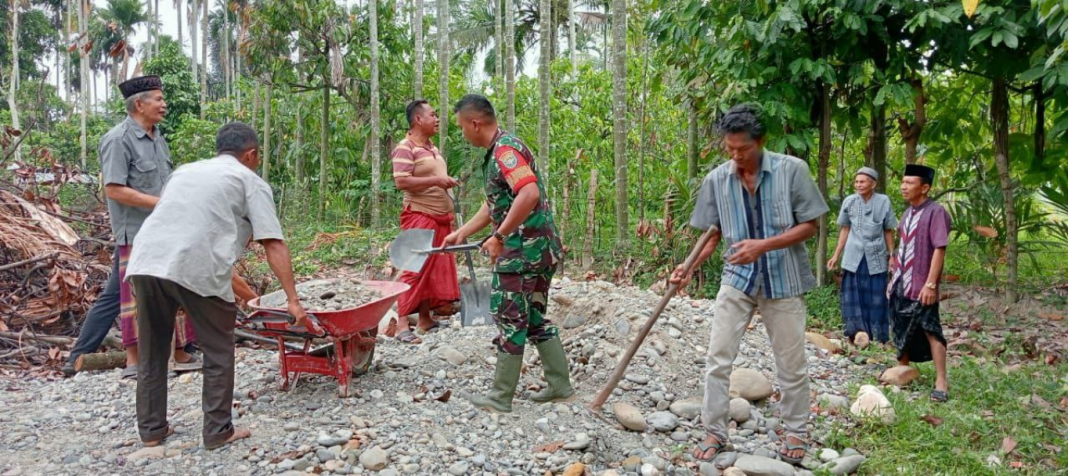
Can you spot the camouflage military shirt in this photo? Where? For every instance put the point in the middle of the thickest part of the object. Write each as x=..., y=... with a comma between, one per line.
x=534, y=246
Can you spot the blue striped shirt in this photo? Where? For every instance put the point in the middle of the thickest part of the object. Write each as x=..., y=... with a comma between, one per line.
x=785, y=197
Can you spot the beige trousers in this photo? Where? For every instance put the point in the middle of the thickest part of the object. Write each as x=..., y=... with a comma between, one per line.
x=785, y=321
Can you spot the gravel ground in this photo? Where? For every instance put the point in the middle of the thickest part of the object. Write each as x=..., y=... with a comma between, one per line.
x=396, y=424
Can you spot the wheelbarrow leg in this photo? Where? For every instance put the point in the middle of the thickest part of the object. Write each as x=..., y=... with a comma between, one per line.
x=282, y=364
x=342, y=366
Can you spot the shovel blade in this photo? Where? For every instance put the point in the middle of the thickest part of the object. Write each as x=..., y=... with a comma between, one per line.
x=475, y=305
x=403, y=251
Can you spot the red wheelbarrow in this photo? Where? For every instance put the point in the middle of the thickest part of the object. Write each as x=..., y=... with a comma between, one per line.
x=350, y=333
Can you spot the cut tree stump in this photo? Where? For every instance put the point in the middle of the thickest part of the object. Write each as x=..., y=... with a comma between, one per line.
x=100, y=361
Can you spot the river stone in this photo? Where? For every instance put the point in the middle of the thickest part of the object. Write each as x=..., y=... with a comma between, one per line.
x=663, y=421
x=630, y=417
x=761, y=466
x=374, y=459
x=750, y=385
x=740, y=408
x=846, y=465
x=688, y=408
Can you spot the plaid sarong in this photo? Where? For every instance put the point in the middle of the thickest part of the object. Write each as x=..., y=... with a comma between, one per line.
x=864, y=303
x=128, y=309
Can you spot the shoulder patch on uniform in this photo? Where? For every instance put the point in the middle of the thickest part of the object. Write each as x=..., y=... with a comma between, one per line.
x=509, y=159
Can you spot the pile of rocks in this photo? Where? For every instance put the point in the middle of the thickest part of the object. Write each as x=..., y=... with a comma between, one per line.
x=326, y=295
x=407, y=417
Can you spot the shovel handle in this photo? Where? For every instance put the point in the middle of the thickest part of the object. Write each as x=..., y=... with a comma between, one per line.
x=621, y=368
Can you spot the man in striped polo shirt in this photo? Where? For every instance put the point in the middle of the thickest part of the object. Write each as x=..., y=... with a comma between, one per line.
x=764, y=205
x=421, y=172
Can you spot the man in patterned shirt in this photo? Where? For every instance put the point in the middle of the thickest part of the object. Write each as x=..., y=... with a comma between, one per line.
x=764, y=205
x=525, y=250
x=913, y=292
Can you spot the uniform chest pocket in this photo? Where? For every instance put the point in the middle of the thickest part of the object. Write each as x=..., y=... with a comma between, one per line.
x=143, y=173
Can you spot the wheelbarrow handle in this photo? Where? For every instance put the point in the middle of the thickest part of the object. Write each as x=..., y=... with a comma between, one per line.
x=269, y=316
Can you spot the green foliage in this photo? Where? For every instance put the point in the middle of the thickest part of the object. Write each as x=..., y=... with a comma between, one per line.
x=181, y=91
x=824, y=309
x=37, y=38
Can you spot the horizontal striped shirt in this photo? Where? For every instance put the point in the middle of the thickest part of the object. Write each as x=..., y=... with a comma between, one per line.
x=785, y=197
x=414, y=160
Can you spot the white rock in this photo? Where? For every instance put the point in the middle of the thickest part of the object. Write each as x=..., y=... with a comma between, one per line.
x=650, y=470
x=740, y=408
x=451, y=355
x=871, y=402
x=827, y=455
x=155, y=452
x=732, y=471
x=374, y=459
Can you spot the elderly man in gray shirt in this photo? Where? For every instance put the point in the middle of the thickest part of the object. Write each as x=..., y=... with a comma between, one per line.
x=184, y=258
x=135, y=163
x=765, y=206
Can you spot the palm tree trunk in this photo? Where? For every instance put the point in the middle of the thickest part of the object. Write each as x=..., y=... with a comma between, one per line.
x=691, y=141
x=267, y=133
x=641, y=135
x=178, y=10
x=204, y=56
x=194, y=13
x=545, y=33
x=509, y=61
x=299, y=147
x=83, y=64
x=443, y=62
x=591, y=205
x=619, y=110
x=824, y=166
x=13, y=82
x=155, y=29
x=417, y=26
x=148, y=43
x=237, y=59
x=227, y=77
x=999, y=115
x=498, y=35
x=324, y=142
x=67, y=59
x=376, y=152
x=571, y=36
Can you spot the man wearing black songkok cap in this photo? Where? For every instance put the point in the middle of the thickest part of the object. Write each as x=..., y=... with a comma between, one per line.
x=135, y=162
x=914, y=288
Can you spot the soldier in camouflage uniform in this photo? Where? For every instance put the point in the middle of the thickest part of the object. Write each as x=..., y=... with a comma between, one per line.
x=525, y=250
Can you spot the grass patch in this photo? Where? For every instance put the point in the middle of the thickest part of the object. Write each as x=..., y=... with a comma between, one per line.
x=986, y=406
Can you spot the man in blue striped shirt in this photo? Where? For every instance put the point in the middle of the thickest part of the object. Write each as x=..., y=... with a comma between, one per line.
x=764, y=205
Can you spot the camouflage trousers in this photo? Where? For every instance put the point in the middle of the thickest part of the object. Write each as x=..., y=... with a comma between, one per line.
x=518, y=306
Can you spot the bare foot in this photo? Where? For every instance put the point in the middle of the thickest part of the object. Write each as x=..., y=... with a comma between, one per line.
x=239, y=434
x=169, y=432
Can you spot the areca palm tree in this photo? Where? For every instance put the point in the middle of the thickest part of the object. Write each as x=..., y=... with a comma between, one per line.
x=122, y=18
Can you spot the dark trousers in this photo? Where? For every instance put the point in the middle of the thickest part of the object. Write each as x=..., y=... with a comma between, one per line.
x=100, y=317
x=213, y=320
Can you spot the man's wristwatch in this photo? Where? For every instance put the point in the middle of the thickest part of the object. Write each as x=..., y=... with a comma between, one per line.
x=498, y=236
x=931, y=286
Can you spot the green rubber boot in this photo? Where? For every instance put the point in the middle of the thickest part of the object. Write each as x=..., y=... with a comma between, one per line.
x=557, y=375
x=506, y=377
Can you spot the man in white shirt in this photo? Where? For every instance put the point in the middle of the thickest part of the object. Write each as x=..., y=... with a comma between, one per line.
x=185, y=255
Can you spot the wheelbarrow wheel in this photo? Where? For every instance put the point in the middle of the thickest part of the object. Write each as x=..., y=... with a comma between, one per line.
x=361, y=362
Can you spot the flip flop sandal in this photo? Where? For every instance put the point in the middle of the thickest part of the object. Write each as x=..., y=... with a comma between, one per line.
x=409, y=337
x=719, y=446
x=939, y=396
x=790, y=447
x=151, y=444
x=130, y=372
x=194, y=363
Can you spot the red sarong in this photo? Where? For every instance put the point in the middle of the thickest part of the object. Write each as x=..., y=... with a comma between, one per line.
x=437, y=282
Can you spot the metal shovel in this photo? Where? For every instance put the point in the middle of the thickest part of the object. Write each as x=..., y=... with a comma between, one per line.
x=474, y=297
